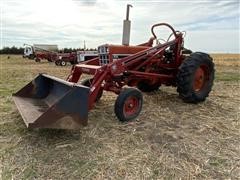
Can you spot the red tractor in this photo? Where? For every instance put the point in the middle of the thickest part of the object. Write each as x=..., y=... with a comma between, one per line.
x=63, y=58
x=49, y=102
x=75, y=57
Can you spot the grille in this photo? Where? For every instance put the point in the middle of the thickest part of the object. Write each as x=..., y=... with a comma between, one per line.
x=103, y=55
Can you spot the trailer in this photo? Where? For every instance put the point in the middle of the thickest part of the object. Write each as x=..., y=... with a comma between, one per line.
x=39, y=52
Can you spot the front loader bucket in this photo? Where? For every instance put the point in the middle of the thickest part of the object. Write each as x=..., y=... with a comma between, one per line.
x=49, y=102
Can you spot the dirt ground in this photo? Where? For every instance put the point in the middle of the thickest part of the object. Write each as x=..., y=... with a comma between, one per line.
x=169, y=140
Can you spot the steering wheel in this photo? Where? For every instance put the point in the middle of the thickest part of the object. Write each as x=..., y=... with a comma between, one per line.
x=167, y=25
x=160, y=39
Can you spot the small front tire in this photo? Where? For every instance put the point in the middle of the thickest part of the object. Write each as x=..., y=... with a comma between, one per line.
x=63, y=63
x=128, y=104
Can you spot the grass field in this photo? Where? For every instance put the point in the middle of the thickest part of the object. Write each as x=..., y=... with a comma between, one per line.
x=169, y=140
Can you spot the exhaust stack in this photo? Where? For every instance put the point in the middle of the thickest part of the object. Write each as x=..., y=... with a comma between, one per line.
x=126, y=28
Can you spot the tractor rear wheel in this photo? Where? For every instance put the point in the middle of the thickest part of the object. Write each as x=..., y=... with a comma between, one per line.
x=88, y=82
x=147, y=87
x=57, y=62
x=195, y=77
x=128, y=104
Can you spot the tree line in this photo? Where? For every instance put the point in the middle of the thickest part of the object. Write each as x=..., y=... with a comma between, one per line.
x=19, y=50
x=11, y=50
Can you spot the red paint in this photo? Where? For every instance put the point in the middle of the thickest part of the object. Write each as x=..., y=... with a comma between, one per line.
x=143, y=62
x=131, y=106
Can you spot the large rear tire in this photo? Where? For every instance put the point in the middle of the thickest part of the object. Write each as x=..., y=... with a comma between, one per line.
x=57, y=62
x=195, y=77
x=128, y=104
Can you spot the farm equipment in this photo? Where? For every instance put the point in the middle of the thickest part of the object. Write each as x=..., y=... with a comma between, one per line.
x=40, y=51
x=49, y=102
x=86, y=55
x=75, y=57
x=64, y=58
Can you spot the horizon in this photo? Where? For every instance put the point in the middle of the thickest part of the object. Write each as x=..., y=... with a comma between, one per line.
x=212, y=26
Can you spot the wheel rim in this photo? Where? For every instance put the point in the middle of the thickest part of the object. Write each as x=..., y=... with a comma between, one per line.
x=201, y=78
x=131, y=106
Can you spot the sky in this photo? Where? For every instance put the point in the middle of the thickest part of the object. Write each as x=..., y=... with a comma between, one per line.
x=211, y=25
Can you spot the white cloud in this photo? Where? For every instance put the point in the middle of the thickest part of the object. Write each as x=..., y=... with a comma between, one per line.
x=211, y=25
x=220, y=41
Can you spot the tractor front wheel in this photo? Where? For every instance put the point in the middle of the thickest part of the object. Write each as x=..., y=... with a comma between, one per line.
x=128, y=104
x=195, y=77
x=63, y=63
x=37, y=60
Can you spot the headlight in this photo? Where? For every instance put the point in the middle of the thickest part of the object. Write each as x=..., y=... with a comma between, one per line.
x=60, y=57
